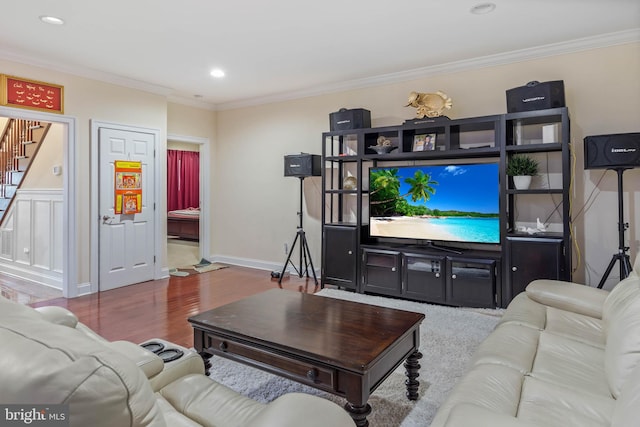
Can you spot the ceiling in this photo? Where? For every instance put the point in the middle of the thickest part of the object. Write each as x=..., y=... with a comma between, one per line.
x=283, y=49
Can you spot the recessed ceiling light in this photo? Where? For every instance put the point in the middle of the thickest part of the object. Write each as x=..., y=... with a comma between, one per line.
x=483, y=8
x=217, y=72
x=51, y=20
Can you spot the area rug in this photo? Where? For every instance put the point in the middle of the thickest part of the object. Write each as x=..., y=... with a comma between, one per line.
x=448, y=338
x=195, y=269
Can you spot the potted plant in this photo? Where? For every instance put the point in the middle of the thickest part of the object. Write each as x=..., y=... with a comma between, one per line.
x=522, y=168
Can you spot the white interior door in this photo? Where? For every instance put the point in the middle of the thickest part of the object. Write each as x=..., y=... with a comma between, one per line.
x=126, y=247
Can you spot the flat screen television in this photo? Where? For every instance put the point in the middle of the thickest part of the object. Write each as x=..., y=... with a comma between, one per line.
x=448, y=203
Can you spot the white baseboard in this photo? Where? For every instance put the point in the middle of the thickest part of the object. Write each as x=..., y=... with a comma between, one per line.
x=44, y=277
x=254, y=263
x=83, y=289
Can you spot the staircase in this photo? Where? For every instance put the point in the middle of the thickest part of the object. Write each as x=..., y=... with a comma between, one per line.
x=19, y=144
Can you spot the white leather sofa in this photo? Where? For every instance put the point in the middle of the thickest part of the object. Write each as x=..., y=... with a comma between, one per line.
x=48, y=357
x=563, y=355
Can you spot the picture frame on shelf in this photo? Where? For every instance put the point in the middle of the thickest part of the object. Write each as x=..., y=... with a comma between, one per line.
x=424, y=142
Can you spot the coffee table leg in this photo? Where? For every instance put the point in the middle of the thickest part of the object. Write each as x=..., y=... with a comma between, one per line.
x=207, y=363
x=412, y=366
x=359, y=413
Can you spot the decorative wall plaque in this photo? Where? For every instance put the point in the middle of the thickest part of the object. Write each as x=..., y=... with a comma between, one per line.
x=31, y=94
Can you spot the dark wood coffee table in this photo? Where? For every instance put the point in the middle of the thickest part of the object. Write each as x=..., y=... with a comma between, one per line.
x=341, y=347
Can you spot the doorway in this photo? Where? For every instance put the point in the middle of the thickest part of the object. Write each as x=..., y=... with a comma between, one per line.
x=124, y=242
x=69, y=254
x=181, y=252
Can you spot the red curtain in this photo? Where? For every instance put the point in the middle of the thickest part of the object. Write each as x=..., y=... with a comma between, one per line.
x=183, y=179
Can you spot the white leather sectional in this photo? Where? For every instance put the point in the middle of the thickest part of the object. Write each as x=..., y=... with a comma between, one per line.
x=563, y=355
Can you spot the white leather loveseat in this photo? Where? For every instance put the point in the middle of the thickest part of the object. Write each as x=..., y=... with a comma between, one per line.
x=48, y=357
x=563, y=355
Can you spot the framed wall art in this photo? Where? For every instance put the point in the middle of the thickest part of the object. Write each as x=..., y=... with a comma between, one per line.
x=31, y=94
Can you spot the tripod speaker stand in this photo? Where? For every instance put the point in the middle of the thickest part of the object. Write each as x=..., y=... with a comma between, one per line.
x=622, y=255
x=305, y=254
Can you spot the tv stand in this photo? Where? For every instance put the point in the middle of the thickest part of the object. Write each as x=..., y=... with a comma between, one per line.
x=483, y=275
x=431, y=245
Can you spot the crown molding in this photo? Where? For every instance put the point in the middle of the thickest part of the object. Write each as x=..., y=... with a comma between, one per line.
x=571, y=46
x=192, y=102
x=88, y=73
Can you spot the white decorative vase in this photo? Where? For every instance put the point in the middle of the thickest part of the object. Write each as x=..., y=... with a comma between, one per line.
x=522, y=182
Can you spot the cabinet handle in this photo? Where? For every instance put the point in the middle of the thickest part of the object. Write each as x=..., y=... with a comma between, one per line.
x=393, y=269
x=350, y=252
x=453, y=276
x=514, y=268
x=437, y=274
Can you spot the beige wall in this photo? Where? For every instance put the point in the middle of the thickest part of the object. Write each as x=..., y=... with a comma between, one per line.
x=255, y=208
x=182, y=146
x=50, y=154
x=191, y=121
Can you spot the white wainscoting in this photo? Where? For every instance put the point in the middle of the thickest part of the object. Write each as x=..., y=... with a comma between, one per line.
x=31, y=239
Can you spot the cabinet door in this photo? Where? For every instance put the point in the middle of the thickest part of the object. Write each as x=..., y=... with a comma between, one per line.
x=424, y=278
x=471, y=282
x=382, y=272
x=339, y=257
x=531, y=258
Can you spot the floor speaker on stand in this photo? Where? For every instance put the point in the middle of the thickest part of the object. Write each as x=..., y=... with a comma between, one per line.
x=617, y=152
x=301, y=166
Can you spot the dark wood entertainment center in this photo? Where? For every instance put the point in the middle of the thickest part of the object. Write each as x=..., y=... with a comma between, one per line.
x=469, y=274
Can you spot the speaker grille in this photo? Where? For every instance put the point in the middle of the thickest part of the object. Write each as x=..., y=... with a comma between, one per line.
x=612, y=151
x=302, y=165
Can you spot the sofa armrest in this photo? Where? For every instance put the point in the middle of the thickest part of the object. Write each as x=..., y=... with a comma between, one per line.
x=149, y=362
x=580, y=299
x=190, y=363
x=468, y=414
x=58, y=315
x=298, y=409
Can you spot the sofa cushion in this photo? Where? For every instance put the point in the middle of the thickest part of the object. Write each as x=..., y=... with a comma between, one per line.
x=491, y=386
x=621, y=324
x=571, y=364
x=575, y=326
x=552, y=405
x=525, y=311
x=56, y=364
x=511, y=345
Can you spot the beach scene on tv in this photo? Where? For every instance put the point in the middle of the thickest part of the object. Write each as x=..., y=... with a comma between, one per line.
x=458, y=203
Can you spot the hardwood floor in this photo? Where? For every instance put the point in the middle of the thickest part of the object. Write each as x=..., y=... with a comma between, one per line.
x=160, y=308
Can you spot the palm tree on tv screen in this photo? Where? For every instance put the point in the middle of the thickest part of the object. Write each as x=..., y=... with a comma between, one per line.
x=385, y=191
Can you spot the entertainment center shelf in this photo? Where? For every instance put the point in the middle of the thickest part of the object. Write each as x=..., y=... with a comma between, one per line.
x=474, y=273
